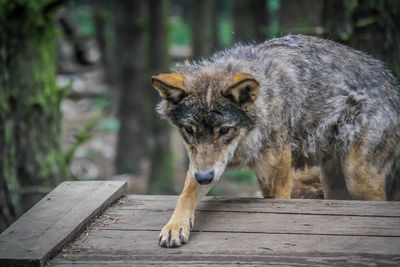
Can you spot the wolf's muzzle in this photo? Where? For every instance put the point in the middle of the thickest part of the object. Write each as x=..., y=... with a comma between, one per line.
x=204, y=178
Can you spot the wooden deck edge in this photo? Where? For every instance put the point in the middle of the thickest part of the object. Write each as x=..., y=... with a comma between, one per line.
x=57, y=219
x=119, y=192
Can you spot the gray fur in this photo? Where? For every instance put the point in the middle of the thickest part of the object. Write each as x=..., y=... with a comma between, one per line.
x=319, y=96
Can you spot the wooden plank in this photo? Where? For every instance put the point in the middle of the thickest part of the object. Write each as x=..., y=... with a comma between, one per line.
x=245, y=231
x=55, y=220
x=215, y=221
x=133, y=248
x=283, y=206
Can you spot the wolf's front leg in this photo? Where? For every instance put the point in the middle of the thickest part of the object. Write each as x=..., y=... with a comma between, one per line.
x=273, y=172
x=176, y=232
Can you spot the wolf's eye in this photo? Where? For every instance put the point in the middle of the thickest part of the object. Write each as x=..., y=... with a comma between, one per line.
x=188, y=129
x=224, y=130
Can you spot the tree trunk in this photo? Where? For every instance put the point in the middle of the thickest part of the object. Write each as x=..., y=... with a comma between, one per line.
x=300, y=16
x=215, y=16
x=260, y=20
x=31, y=160
x=250, y=20
x=161, y=174
x=242, y=23
x=202, y=42
x=376, y=30
x=100, y=19
x=134, y=106
x=336, y=21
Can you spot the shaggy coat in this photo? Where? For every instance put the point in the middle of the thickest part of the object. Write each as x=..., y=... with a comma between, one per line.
x=319, y=96
x=294, y=101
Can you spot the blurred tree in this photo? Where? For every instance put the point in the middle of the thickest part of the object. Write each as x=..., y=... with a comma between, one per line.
x=161, y=174
x=100, y=19
x=215, y=16
x=376, y=30
x=300, y=16
x=250, y=19
x=260, y=19
x=242, y=20
x=134, y=107
x=202, y=28
x=31, y=160
x=337, y=25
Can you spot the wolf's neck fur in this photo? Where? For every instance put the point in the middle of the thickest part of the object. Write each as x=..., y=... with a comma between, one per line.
x=248, y=149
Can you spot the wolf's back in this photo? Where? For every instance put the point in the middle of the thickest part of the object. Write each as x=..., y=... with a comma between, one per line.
x=347, y=96
x=325, y=96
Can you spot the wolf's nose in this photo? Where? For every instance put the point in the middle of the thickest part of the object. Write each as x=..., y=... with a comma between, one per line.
x=204, y=178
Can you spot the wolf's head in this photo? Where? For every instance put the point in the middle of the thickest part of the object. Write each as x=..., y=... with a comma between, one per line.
x=213, y=114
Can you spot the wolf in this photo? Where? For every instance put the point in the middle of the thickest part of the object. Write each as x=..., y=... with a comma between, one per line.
x=289, y=102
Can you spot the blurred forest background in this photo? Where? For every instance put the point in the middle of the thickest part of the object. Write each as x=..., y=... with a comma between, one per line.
x=76, y=101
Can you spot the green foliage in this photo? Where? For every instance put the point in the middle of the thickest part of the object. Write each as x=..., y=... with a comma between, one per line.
x=215, y=192
x=7, y=166
x=29, y=100
x=165, y=175
x=244, y=176
x=273, y=8
x=179, y=31
x=83, y=17
x=100, y=102
x=351, y=5
x=225, y=30
x=109, y=125
x=83, y=136
x=35, y=12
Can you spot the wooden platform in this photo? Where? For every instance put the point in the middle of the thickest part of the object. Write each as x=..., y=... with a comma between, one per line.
x=242, y=231
x=55, y=220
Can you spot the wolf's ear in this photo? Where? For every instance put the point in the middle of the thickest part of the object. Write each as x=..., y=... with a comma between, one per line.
x=244, y=89
x=170, y=86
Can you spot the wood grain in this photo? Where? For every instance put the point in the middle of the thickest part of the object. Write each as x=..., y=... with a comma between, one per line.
x=283, y=206
x=263, y=223
x=244, y=231
x=110, y=247
x=55, y=220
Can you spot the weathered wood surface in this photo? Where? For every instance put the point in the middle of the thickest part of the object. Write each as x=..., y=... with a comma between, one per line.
x=55, y=220
x=243, y=231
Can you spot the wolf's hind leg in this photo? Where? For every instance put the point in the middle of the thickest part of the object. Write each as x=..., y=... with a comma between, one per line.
x=273, y=172
x=333, y=180
x=176, y=232
x=364, y=180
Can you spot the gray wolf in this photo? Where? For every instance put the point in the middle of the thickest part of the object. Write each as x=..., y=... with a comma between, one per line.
x=286, y=103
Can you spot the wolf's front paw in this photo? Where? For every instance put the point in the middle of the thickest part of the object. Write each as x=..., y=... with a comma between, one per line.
x=175, y=234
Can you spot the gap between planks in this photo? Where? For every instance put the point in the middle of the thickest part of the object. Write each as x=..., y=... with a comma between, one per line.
x=252, y=232
x=264, y=212
x=260, y=222
x=270, y=206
